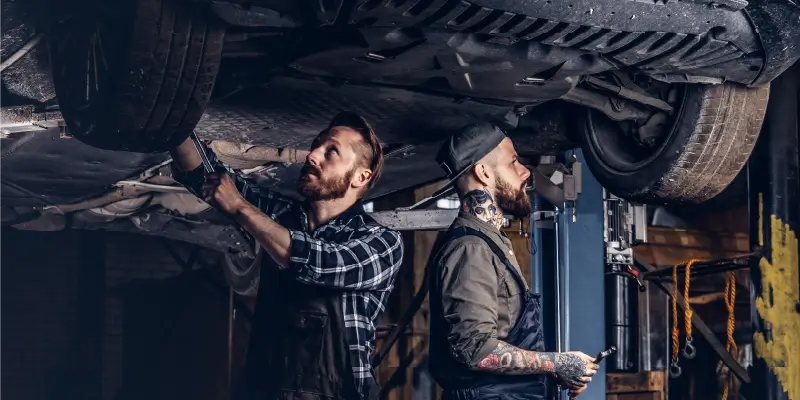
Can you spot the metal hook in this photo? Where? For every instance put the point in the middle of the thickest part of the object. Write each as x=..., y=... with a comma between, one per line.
x=674, y=370
x=689, y=352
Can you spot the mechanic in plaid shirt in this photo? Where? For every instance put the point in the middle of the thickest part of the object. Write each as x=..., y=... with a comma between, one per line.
x=330, y=272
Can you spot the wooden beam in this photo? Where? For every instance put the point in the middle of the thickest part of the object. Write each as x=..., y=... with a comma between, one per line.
x=667, y=247
x=636, y=396
x=645, y=381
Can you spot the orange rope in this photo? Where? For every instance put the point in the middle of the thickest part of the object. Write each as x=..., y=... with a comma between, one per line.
x=675, y=331
x=688, y=309
x=730, y=302
x=687, y=317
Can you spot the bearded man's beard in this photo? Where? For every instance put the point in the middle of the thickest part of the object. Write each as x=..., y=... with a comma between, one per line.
x=323, y=188
x=514, y=201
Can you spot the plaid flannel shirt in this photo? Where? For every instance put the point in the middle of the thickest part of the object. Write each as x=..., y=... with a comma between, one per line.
x=351, y=252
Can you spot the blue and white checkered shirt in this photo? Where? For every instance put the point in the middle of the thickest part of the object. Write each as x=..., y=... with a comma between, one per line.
x=351, y=252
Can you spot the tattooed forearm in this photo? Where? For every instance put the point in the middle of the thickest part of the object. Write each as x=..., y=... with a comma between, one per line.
x=507, y=359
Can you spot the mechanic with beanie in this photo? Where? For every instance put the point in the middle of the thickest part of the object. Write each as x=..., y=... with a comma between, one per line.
x=486, y=338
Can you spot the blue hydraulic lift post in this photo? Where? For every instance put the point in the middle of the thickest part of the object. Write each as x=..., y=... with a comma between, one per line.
x=577, y=256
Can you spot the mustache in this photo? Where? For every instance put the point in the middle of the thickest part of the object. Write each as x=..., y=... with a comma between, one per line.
x=309, y=169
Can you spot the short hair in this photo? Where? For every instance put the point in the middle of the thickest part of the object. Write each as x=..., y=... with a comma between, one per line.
x=490, y=160
x=369, y=151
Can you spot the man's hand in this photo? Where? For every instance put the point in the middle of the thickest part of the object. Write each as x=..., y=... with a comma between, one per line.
x=220, y=191
x=574, y=393
x=574, y=369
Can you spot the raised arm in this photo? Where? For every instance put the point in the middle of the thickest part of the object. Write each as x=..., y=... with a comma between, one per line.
x=250, y=205
x=187, y=169
x=185, y=156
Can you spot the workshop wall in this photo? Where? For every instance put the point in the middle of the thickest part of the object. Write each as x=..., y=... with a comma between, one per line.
x=98, y=315
x=40, y=313
x=165, y=329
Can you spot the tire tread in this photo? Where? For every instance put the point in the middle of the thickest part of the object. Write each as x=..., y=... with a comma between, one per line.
x=163, y=85
x=723, y=138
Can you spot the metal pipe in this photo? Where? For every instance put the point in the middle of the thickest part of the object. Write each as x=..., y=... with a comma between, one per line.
x=231, y=313
x=557, y=279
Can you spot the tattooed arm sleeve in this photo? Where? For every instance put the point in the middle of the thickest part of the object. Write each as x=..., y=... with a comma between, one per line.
x=510, y=360
x=507, y=359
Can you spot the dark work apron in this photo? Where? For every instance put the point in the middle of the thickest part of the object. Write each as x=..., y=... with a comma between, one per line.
x=297, y=348
x=465, y=384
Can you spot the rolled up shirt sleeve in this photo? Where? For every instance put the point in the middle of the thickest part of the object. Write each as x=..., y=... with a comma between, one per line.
x=369, y=260
x=469, y=282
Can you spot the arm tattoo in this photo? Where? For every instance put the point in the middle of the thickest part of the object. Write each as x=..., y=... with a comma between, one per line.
x=508, y=359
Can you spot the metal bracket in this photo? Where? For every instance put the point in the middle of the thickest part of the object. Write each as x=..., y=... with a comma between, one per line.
x=415, y=220
x=544, y=219
x=562, y=185
x=703, y=268
x=429, y=200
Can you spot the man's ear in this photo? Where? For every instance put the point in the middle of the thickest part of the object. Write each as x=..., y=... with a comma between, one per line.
x=482, y=173
x=361, y=178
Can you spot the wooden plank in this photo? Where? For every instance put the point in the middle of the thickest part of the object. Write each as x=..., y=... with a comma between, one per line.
x=735, y=242
x=639, y=396
x=645, y=381
x=666, y=247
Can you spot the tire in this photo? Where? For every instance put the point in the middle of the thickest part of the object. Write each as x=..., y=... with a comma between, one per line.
x=151, y=66
x=709, y=142
x=243, y=274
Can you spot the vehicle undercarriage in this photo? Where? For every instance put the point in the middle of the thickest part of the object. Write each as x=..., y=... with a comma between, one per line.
x=664, y=98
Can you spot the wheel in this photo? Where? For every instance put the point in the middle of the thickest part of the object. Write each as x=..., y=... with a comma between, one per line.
x=690, y=158
x=242, y=273
x=135, y=75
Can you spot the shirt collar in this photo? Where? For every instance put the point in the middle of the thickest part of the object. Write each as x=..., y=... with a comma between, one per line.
x=356, y=209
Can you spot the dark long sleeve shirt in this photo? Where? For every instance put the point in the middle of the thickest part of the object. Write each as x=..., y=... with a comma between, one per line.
x=480, y=299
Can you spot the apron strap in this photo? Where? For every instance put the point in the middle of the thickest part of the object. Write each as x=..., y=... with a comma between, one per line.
x=420, y=296
x=463, y=231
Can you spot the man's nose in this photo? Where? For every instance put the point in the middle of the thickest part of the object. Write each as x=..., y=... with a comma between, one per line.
x=313, y=157
x=526, y=173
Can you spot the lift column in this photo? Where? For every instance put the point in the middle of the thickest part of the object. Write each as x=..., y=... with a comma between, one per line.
x=774, y=223
x=568, y=268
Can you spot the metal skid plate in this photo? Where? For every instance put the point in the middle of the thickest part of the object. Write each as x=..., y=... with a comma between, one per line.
x=290, y=112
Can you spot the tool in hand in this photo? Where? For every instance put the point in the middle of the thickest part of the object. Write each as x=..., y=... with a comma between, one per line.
x=242, y=237
x=600, y=356
x=605, y=353
x=202, y=152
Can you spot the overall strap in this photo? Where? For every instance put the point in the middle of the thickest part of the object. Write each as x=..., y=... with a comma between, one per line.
x=420, y=296
x=464, y=231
